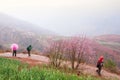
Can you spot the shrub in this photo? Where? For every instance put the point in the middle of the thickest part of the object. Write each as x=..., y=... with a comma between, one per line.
x=110, y=65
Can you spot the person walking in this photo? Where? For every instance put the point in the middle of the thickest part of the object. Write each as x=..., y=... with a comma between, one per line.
x=99, y=65
x=14, y=48
x=29, y=49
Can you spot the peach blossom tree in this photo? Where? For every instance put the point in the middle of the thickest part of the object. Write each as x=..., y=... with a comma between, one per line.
x=74, y=49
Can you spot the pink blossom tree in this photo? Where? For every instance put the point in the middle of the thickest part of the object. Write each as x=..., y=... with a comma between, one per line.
x=77, y=48
x=55, y=51
x=74, y=49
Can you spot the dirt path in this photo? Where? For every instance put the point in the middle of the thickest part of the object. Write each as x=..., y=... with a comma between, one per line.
x=91, y=70
x=38, y=59
x=32, y=60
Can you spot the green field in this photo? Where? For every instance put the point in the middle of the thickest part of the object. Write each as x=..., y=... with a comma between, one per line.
x=14, y=70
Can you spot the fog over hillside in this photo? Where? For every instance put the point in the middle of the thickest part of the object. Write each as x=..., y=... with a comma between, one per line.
x=67, y=17
x=9, y=21
x=111, y=27
x=23, y=33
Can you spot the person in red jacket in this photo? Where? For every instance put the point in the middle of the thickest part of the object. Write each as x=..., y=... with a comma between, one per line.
x=100, y=65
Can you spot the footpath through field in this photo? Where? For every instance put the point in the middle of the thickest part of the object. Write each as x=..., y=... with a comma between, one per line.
x=39, y=59
x=32, y=60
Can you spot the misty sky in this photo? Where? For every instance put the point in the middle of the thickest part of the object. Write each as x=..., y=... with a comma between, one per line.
x=67, y=17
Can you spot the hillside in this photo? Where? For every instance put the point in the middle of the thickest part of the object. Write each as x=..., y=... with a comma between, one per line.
x=23, y=33
x=109, y=38
x=39, y=60
x=9, y=21
x=111, y=41
x=109, y=46
x=22, y=38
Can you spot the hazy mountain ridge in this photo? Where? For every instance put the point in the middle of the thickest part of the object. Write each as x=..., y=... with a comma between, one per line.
x=111, y=41
x=9, y=36
x=8, y=21
x=110, y=38
x=22, y=33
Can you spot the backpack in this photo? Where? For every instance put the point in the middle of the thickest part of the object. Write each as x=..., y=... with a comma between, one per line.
x=99, y=64
x=29, y=48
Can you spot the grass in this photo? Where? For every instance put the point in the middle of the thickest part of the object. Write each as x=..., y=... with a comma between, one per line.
x=15, y=70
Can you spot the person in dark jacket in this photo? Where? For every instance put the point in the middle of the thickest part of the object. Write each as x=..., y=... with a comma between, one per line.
x=100, y=65
x=29, y=49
